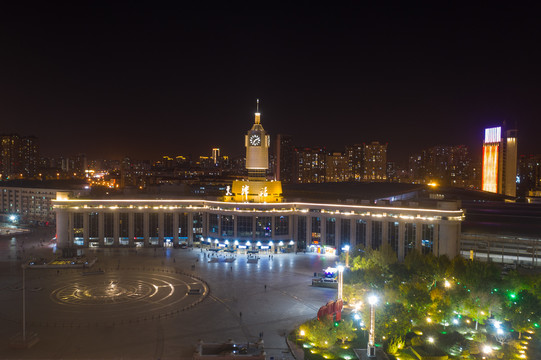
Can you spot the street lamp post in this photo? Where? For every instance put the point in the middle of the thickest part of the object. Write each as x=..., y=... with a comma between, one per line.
x=346, y=248
x=340, y=281
x=24, y=304
x=371, y=348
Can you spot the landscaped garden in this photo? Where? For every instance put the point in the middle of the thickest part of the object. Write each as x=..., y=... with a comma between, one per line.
x=430, y=308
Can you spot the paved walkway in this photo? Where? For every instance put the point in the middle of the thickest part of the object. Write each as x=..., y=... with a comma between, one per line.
x=245, y=300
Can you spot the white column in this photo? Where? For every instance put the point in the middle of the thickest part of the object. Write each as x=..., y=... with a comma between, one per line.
x=175, y=226
x=338, y=233
x=189, y=232
x=384, y=232
x=308, y=230
x=352, y=232
x=418, y=235
x=291, y=230
x=62, y=229
x=368, y=233
x=323, y=229
x=436, y=241
x=401, y=231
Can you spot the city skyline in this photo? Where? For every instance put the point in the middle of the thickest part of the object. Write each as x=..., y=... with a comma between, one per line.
x=153, y=80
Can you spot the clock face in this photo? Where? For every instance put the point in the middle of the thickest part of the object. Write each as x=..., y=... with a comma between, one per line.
x=255, y=140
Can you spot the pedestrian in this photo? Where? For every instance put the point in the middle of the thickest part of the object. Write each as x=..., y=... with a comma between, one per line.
x=240, y=314
x=265, y=287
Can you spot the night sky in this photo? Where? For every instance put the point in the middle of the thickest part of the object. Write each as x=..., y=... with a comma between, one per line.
x=149, y=79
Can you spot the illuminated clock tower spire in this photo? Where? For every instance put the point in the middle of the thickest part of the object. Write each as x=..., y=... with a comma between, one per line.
x=256, y=188
x=257, y=144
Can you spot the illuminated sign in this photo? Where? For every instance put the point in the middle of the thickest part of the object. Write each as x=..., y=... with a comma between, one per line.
x=493, y=135
x=490, y=168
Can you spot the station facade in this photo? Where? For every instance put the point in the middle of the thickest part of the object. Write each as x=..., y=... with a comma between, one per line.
x=272, y=227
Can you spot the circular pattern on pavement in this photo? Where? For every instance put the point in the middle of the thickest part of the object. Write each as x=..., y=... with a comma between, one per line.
x=115, y=296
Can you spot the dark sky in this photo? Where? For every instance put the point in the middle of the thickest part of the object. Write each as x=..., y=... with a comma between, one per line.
x=155, y=78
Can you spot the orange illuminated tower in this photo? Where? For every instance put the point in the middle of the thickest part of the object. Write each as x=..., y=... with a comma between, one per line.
x=256, y=188
x=500, y=161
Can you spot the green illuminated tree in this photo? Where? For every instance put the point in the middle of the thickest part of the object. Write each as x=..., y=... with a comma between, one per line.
x=321, y=332
x=345, y=331
x=523, y=311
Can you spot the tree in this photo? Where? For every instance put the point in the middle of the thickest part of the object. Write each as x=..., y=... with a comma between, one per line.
x=392, y=320
x=345, y=331
x=476, y=306
x=321, y=333
x=523, y=311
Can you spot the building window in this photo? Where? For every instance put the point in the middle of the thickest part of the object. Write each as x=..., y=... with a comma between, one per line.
x=93, y=221
x=330, y=231
x=197, y=224
x=427, y=240
x=124, y=228
x=213, y=223
x=168, y=225
x=153, y=226
x=345, y=231
x=409, y=238
x=301, y=232
x=263, y=226
x=360, y=232
x=228, y=224
x=244, y=226
x=316, y=230
x=281, y=224
x=78, y=227
x=393, y=235
x=108, y=225
x=183, y=225
x=377, y=234
x=138, y=225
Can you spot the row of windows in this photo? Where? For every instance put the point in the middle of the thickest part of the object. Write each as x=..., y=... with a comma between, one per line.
x=223, y=225
x=138, y=225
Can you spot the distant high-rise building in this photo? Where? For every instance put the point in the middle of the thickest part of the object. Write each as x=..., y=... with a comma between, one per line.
x=337, y=168
x=216, y=156
x=19, y=156
x=310, y=165
x=375, y=161
x=285, y=158
x=354, y=154
x=529, y=174
x=500, y=161
x=30, y=156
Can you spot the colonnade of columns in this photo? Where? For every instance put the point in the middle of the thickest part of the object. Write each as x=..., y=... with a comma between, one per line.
x=444, y=240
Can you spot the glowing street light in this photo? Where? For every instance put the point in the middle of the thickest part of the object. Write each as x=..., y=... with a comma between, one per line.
x=371, y=348
x=346, y=249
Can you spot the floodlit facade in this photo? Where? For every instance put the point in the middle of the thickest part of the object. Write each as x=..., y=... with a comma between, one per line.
x=257, y=226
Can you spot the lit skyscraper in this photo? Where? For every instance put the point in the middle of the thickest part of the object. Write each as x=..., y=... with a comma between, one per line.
x=500, y=161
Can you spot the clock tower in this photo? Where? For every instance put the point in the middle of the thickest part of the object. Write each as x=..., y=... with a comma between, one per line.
x=257, y=144
x=256, y=188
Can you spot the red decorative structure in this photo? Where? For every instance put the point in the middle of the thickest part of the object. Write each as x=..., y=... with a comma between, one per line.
x=331, y=309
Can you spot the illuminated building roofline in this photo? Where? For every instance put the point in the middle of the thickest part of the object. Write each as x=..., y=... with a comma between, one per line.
x=252, y=205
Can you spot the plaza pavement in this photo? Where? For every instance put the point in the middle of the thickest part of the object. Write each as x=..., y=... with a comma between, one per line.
x=164, y=329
